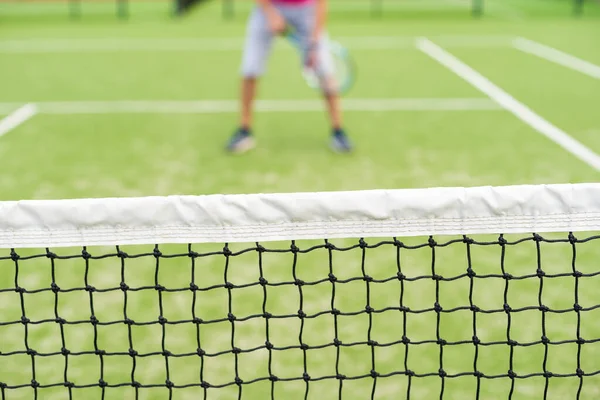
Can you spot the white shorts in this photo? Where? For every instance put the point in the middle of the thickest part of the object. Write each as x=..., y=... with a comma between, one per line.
x=259, y=39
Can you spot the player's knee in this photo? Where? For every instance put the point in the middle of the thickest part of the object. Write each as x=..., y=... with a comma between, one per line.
x=252, y=72
x=325, y=68
x=254, y=60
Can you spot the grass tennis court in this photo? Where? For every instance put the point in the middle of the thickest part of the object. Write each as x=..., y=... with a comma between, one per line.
x=145, y=107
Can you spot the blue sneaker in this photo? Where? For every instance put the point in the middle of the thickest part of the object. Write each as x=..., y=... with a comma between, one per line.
x=241, y=142
x=340, y=142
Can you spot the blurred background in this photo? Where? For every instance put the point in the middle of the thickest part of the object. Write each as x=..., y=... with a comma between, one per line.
x=139, y=97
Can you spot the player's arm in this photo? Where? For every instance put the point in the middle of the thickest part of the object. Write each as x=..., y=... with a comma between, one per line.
x=276, y=21
x=320, y=20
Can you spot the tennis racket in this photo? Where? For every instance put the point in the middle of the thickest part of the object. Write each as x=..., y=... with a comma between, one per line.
x=344, y=68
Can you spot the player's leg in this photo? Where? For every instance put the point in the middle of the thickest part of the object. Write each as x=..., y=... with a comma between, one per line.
x=326, y=74
x=247, y=95
x=256, y=52
x=303, y=20
x=325, y=71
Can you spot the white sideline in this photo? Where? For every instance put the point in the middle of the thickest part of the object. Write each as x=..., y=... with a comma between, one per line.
x=93, y=45
x=557, y=56
x=509, y=103
x=232, y=106
x=295, y=216
x=17, y=117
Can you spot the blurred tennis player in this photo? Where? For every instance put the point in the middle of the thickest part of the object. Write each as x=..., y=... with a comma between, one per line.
x=269, y=19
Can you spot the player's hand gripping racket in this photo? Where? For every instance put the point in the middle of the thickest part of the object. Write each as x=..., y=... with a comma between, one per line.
x=344, y=69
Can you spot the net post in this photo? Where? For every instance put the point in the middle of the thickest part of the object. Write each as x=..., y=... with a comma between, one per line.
x=477, y=9
x=122, y=9
x=377, y=8
x=75, y=9
x=228, y=9
x=578, y=7
x=177, y=8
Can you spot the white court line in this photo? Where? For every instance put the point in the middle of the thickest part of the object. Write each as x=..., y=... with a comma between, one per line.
x=557, y=56
x=41, y=45
x=232, y=106
x=509, y=103
x=17, y=117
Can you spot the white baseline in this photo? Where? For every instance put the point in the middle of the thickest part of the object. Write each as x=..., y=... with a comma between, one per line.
x=232, y=106
x=509, y=103
x=17, y=117
x=557, y=56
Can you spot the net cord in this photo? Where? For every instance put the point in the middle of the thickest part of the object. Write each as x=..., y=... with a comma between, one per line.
x=297, y=216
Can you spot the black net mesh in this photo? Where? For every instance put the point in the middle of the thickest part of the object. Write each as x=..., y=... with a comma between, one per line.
x=430, y=319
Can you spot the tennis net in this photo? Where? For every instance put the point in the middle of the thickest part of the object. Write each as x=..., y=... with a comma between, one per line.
x=450, y=293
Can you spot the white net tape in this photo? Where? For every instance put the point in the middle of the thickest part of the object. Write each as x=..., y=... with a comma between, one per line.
x=270, y=217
